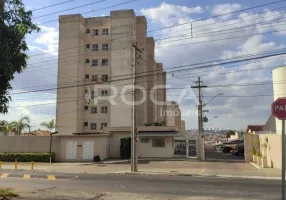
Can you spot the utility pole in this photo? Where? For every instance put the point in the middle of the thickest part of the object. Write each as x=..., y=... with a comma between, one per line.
x=199, y=86
x=134, y=164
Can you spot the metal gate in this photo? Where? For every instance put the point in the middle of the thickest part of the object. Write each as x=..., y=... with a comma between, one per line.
x=88, y=150
x=71, y=150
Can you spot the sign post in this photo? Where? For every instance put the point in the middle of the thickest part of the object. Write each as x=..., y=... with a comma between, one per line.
x=278, y=108
x=283, y=159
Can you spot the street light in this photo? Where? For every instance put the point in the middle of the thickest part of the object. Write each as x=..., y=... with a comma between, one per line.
x=220, y=94
x=51, y=139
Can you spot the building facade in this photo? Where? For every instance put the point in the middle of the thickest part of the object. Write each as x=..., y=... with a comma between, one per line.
x=173, y=115
x=97, y=58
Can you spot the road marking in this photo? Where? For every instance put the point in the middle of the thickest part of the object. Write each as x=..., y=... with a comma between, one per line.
x=4, y=175
x=51, y=177
x=26, y=176
x=255, y=165
x=202, y=171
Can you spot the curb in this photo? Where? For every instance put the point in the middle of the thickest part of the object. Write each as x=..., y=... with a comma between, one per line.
x=196, y=175
x=255, y=165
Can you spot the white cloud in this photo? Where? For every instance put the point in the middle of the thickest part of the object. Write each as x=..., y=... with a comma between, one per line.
x=230, y=110
x=225, y=8
x=49, y=38
x=253, y=45
x=167, y=13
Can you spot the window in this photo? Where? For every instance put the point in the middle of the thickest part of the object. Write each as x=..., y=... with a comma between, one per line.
x=92, y=94
x=95, y=47
x=87, y=76
x=95, y=32
x=105, y=31
x=85, y=123
x=158, y=142
x=95, y=63
x=104, y=92
x=87, y=61
x=93, y=109
x=144, y=140
x=92, y=126
x=104, y=77
x=104, y=62
x=105, y=47
x=87, y=31
x=104, y=109
x=94, y=78
x=87, y=46
x=103, y=125
x=86, y=107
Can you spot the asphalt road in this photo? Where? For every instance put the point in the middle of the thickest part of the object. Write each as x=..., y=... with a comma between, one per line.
x=181, y=186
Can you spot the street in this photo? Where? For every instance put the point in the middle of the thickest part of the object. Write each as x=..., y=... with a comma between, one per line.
x=143, y=186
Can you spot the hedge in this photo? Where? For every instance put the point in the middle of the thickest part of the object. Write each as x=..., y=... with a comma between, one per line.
x=26, y=157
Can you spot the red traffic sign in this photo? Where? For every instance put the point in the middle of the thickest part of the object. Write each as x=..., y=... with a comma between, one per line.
x=278, y=108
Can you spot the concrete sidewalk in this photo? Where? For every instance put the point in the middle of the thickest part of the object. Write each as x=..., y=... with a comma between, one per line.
x=169, y=167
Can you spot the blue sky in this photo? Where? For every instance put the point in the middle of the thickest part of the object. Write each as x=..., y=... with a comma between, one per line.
x=232, y=112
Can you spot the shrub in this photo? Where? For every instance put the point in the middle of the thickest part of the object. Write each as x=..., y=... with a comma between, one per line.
x=26, y=157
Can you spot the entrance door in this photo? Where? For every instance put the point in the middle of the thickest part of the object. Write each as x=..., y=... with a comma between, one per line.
x=88, y=150
x=71, y=150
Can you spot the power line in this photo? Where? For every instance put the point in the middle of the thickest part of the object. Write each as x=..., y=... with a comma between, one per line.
x=85, y=5
x=166, y=27
x=259, y=56
x=240, y=17
x=53, y=5
x=216, y=40
x=94, y=10
x=163, y=46
x=213, y=61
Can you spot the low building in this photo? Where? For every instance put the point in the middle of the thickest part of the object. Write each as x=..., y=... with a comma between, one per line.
x=152, y=141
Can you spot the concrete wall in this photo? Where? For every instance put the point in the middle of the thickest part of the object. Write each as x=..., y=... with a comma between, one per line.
x=248, y=144
x=123, y=30
x=150, y=44
x=183, y=126
x=141, y=28
x=146, y=149
x=173, y=115
x=33, y=144
x=70, y=69
x=42, y=144
x=272, y=151
x=114, y=147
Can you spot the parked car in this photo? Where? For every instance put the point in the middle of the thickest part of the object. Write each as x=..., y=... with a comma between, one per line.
x=229, y=146
x=239, y=150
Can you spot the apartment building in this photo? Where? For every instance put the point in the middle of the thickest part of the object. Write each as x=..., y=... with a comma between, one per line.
x=97, y=57
x=173, y=115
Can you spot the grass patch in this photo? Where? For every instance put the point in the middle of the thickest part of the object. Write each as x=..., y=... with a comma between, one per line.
x=7, y=193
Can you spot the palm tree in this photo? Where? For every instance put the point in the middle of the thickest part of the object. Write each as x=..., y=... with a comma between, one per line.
x=8, y=129
x=18, y=126
x=49, y=125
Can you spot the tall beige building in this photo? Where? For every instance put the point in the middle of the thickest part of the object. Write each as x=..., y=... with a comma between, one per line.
x=96, y=55
x=173, y=115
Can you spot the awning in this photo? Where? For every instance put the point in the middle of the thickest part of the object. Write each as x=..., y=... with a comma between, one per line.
x=158, y=134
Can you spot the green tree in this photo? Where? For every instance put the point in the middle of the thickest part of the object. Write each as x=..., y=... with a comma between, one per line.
x=227, y=136
x=49, y=125
x=8, y=129
x=231, y=132
x=15, y=24
x=18, y=126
